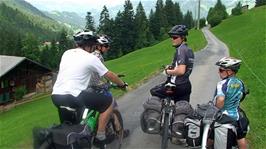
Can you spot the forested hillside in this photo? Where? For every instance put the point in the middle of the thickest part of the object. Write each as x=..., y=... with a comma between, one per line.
x=33, y=14
x=22, y=36
x=14, y=27
x=69, y=19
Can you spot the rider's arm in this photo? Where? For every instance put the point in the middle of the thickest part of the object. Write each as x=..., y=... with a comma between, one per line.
x=177, y=71
x=220, y=102
x=114, y=78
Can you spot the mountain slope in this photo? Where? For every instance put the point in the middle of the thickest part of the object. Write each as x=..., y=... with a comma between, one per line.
x=33, y=14
x=245, y=35
x=13, y=21
x=70, y=19
x=23, y=5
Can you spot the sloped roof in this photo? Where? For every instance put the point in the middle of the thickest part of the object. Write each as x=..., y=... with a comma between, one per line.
x=7, y=63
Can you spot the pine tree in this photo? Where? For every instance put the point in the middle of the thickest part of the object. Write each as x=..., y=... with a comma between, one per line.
x=188, y=20
x=89, y=22
x=170, y=14
x=237, y=10
x=128, y=32
x=153, y=25
x=160, y=17
x=260, y=3
x=142, y=28
x=217, y=14
x=64, y=43
x=221, y=8
x=116, y=35
x=30, y=47
x=104, y=22
x=178, y=14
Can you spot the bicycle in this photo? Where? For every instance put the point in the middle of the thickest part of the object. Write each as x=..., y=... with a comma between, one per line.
x=168, y=108
x=82, y=134
x=210, y=115
x=159, y=115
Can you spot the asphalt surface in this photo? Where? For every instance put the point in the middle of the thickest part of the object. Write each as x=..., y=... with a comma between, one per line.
x=203, y=78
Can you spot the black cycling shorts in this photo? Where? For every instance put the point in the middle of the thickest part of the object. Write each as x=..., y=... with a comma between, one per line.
x=182, y=91
x=96, y=100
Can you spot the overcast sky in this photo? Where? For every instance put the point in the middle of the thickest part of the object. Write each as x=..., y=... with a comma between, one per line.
x=96, y=6
x=76, y=5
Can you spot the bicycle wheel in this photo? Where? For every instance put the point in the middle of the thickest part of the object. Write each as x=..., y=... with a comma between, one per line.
x=115, y=127
x=165, y=132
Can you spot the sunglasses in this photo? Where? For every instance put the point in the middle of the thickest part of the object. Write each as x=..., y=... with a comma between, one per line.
x=106, y=46
x=175, y=37
x=221, y=70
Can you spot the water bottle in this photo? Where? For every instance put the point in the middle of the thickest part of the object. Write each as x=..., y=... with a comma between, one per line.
x=92, y=120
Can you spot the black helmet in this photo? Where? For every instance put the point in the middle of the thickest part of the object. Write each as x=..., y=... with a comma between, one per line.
x=178, y=30
x=229, y=63
x=85, y=37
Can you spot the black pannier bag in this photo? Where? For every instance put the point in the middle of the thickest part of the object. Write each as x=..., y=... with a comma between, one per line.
x=182, y=110
x=71, y=136
x=193, y=130
x=150, y=119
x=63, y=136
x=42, y=138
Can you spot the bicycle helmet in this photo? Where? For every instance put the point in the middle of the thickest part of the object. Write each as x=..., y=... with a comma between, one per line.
x=229, y=63
x=104, y=40
x=181, y=30
x=85, y=37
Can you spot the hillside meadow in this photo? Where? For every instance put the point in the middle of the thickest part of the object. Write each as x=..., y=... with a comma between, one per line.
x=245, y=35
x=138, y=66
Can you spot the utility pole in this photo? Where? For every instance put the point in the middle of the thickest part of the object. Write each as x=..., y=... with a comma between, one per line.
x=198, y=22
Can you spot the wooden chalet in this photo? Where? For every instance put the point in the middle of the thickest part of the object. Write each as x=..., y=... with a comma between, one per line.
x=17, y=72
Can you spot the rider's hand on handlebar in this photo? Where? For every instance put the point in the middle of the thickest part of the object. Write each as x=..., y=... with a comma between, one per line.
x=124, y=87
x=168, y=67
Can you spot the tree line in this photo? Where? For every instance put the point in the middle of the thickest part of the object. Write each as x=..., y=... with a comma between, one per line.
x=132, y=29
x=20, y=36
x=218, y=13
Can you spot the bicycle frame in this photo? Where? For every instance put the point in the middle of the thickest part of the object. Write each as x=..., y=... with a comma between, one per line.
x=168, y=107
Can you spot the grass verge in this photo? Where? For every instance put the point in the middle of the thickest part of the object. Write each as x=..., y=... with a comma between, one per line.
x=245, y=36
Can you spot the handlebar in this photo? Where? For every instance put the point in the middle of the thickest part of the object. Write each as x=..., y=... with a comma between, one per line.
x=109, y=84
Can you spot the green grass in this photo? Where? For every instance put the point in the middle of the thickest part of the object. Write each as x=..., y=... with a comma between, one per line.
x=245, y=36
x=16, y=124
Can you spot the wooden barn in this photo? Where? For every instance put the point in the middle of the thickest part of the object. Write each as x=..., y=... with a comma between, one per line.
x=17, y=72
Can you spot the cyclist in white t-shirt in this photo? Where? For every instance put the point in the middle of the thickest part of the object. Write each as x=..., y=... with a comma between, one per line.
x=76, y=68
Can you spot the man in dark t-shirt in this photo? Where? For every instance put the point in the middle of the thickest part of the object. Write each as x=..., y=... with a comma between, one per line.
x=181, y=66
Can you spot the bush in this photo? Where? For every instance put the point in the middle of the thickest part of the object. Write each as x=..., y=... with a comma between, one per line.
x=202, y=22
x=20, y=92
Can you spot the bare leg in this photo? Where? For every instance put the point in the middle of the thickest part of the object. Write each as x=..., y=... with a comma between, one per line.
x=210, y=143
x=242, y=143
x=103, y=119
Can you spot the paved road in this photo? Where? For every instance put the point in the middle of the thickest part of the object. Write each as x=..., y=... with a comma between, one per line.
x=204, y=78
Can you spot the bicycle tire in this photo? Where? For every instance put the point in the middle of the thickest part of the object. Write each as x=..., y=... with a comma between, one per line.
x=115, y=126
x=165, y=132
